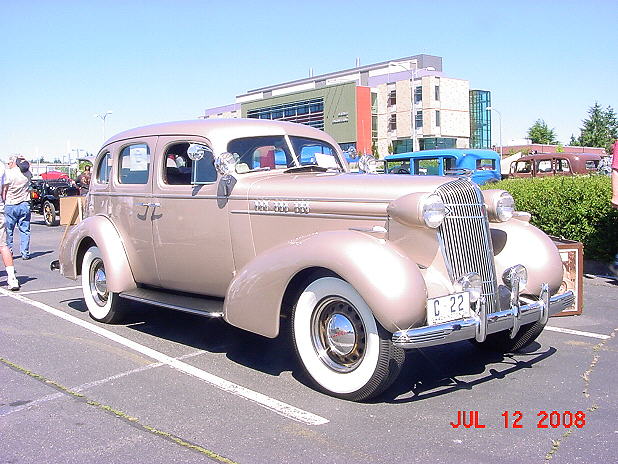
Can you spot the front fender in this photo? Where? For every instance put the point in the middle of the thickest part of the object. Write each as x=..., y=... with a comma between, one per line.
x=389, y=282
x=518, y=242
x=99, y=231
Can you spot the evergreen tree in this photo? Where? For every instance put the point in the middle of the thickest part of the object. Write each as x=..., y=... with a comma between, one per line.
x=540, y=133
x=600, y=129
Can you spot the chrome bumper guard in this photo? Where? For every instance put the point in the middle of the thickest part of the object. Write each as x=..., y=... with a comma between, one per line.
x=482, y=324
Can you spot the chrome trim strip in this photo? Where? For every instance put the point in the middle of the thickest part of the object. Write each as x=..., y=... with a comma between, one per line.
x=472, y=327
x=307, y=215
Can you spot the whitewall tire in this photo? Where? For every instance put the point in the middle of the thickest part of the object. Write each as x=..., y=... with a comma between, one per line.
x=343, y=349
x=103, y=305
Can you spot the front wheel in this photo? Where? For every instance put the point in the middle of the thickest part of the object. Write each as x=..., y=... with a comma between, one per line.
x=49, y=214
x=344, y=350
x=502, y=342
x=103, y=305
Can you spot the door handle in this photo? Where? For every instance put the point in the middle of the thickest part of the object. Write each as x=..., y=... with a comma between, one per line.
x=154, y=205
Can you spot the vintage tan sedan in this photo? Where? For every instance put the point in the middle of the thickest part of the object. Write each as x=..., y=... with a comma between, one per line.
x=261, y=221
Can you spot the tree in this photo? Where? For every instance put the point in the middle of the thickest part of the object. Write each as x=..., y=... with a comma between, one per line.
x=540, y=133
x=573, y=142
x=600, y=129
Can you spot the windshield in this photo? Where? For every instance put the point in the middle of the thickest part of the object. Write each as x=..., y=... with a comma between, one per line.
x=273, y=152
x=315, y=152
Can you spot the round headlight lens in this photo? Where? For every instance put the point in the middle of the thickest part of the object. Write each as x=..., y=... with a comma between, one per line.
x=518, y=271
x=470, y=283
x=433, y=211
x=505, y=207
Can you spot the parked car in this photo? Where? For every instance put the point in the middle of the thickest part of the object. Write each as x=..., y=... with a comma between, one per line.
x=555, y=164
x=260, y=223
x=483, y=165
x=45, y=197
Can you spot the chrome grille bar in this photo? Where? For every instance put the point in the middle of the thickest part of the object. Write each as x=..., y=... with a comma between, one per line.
x=465, y=237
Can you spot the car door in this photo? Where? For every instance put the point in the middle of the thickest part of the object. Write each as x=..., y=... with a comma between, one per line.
x=130, y=204
x=190, y=226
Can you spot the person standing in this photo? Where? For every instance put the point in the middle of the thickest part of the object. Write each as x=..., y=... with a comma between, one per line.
x=17, y=203
x=83, y=180
x=7, y=256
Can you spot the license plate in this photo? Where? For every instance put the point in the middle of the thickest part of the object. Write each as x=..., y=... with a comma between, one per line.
x=448, y=308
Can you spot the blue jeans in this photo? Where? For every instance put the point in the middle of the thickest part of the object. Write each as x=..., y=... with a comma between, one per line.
x=18, y=215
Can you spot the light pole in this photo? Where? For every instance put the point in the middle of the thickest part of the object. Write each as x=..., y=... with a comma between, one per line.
x=412, y=114
x=491, y=108
x=103, y=117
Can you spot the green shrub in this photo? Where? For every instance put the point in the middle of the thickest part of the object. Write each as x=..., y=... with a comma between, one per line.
x=574, y=207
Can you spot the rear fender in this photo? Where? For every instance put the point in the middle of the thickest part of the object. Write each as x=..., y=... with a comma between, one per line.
x=99, y=231
x=389, y=282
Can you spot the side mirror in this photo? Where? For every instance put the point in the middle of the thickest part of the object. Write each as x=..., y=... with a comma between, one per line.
x=225, y=163
x=196, y=151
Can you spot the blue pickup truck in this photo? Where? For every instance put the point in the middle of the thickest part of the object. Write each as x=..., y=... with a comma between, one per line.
x=483, y=165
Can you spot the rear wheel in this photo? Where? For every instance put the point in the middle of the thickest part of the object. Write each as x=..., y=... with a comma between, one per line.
x=103, y=305
x=49, y=214
x=343, y=349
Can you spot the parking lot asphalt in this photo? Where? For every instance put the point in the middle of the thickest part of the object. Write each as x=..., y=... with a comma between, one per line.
x=166, y=387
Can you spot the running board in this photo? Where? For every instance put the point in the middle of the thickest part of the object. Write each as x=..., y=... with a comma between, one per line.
x=204, y=306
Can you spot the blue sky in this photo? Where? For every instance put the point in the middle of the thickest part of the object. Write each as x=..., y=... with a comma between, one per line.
x=152, y=61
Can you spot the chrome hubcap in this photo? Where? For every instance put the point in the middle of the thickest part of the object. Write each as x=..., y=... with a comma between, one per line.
x=338, y=334
x=98, y=282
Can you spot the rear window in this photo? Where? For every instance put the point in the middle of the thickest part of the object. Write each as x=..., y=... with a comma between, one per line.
x=592, y=165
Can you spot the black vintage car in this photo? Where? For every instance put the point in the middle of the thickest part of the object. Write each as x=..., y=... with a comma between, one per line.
x=45, y=197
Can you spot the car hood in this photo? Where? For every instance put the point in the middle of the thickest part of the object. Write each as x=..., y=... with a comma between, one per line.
x=335, y=186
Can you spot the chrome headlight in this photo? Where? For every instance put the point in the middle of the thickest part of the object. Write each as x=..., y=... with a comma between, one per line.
x=518, y=272
x=433, y=211
x=505, y=207
x=470, y=283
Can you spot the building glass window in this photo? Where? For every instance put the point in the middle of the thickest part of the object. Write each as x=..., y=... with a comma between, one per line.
x=437, y=93
x=403, y=146
x=437, y=118
x=392, y=122
x=418, y=119
x=418, y=94
x=392, y=98
x=374, y=126
x=480, y=119
x=432, y=143
x=308, y=112
x=374, y=103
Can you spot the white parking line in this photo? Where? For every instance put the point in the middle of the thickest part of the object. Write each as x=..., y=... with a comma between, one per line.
x=267, y=402
x=578, y=332
x=6, y=410
x=45, y=290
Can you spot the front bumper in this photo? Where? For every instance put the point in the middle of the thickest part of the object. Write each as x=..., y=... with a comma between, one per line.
x=482, y=324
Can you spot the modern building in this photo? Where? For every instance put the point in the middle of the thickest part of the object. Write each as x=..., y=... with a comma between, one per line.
x=394, y=106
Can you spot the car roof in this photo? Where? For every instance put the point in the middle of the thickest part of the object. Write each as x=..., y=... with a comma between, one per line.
x=454, y=152
x=230, y=128
x=574, y=156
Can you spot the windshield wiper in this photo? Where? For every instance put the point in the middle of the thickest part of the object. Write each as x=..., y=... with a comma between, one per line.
x=307, y=168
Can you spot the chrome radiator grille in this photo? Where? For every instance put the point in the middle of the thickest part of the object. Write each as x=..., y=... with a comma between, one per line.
x=465, y=237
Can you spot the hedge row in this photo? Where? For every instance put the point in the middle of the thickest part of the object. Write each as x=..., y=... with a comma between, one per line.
x=574, y=207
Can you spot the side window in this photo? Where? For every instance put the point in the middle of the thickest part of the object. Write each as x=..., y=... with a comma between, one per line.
x=427, y=167
x=134, y=164
x=592, y=165
x=523, y=166
x=485, y=164
x=104, y=168
x=543, y=166
x=562, y=165
x=188, y=163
